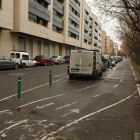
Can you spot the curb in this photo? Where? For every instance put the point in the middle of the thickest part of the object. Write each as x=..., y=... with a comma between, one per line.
x=135, y=72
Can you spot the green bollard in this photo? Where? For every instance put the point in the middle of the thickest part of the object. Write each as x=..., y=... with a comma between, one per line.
x=19, y=87
x=50, y=78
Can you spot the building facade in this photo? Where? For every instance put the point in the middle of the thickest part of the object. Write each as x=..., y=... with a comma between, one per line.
x=48, y=27
x=103, y=46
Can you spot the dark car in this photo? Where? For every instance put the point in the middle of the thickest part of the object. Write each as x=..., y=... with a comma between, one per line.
x=44, y=60
x=66, y=58
x=7, y=63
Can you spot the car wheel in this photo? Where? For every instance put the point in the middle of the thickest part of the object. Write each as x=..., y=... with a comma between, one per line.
x=52, y=63
x=71, y=77
x=45, y=64
x=16, y=66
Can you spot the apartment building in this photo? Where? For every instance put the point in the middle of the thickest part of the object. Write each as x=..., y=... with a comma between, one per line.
x=103, y=46
x=49, y=27
x=115, y=52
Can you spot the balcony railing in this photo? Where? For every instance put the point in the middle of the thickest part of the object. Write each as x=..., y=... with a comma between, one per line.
x=73, y=3
x=73, y=27
x=76, y=17
x=39, y=7
x=58, y=7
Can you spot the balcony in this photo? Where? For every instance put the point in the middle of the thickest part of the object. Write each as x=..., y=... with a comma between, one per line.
x=58, y=22
x=96, y=34
x=87, y=18
x=48, y=1
x=86, y=27
x=74, y=17
x=75, y=6
x=58, y=7
x=87, y=37
x=73, y=29
x=38, y=10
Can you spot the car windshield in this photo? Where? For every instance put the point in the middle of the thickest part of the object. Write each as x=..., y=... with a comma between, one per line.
x=66, y=57
x=39, y=57
x=55, y=57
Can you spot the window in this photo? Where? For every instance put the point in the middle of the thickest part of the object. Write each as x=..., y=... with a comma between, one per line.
x=0, y=4
x=1, y=58
x=25, y=57
x=7, y=58
x=12, y=55
x=17, y=55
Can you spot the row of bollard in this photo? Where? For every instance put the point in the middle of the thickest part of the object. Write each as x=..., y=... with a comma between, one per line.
x=19, y=84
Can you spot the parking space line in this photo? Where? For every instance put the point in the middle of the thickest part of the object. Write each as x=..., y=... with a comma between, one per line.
x=116, y=85
x=41, y=100
x=97, y=95
x=88, y=115
x=28, y=90
x=42, y=107
x=65, y=106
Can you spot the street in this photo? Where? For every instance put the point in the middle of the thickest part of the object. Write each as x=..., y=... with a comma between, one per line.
x=82, y=108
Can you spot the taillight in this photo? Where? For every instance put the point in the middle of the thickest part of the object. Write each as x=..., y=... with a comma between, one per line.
x=57, y=59
x=20, y=61
x=94, y=62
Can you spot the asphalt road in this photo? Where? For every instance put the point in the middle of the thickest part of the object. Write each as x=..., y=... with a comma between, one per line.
x=82, y=108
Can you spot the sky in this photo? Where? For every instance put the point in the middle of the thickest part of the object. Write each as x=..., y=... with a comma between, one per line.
x=108, y=26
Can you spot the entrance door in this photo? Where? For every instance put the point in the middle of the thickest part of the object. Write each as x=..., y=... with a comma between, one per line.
x=46, y=49
x=52, y=49
x=38, y=48
x=21, y=44
x=30, y=47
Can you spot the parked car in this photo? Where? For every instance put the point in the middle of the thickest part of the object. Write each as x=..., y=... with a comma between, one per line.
x=85, y=63
x=66, y=58
x=113, y=63
x=107, y=57
x=105, y=63
x=23, y=59
x=43, y=60
x=7, y=63
x=58, y=59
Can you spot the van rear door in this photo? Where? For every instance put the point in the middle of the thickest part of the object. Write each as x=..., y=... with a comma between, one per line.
x=81, y=62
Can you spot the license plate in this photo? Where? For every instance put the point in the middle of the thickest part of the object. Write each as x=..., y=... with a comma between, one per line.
x=74, y=70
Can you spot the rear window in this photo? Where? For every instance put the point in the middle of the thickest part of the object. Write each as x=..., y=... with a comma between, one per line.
x=25, y=57
x=55, y=57
x=39, y=57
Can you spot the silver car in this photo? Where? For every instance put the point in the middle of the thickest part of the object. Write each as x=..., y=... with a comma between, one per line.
x=58, y=59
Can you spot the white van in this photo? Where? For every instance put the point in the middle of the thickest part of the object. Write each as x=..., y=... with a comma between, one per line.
x=22, y=58
x=85, y=63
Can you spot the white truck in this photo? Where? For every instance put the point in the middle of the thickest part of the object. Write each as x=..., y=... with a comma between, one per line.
x=85, y=63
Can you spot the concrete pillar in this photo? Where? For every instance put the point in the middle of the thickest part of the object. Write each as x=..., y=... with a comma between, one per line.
x=34, y=48
x=41, y=51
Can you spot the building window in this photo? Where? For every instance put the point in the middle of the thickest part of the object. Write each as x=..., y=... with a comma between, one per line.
x=0, y=4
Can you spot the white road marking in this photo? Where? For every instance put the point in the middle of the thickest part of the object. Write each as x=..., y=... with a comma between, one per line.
x=97, y=95
x=71, y=111
x=65, y=106
x=12, y=126
x=42, y=107
x=4, y=111
x=91, y=114
x=138, y=87
x=122, y=76
x=121, y=80
x=86, y=88
x=116, y=85
x=66, y=114
x=40, y=100
x=28, y=90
